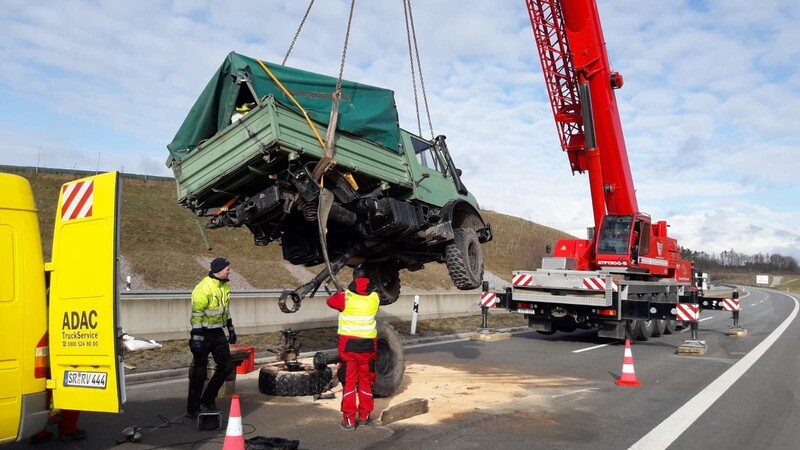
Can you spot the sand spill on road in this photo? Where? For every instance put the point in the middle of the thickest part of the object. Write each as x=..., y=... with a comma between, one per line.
x=455, y=391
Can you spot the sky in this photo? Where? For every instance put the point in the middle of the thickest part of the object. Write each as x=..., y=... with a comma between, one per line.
x=710, y=108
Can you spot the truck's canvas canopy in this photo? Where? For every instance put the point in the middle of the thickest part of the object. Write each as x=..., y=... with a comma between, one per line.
x=365, y=111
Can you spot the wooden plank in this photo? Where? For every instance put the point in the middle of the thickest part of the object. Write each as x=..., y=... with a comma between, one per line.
x=693, y=348
x=736, y=331
x=408, y=408
x=490, y=336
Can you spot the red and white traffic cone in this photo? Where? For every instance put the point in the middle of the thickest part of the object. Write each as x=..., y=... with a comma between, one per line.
x=234, y=437
x=628, y=377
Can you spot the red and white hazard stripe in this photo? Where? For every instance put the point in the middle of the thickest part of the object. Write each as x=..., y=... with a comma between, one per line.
x=598, y=283
x=522, y=279
x=730, y=304
x=688, y=311
x=77, y=200
x=488, y=299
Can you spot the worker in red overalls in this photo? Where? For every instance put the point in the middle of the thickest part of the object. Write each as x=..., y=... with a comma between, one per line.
x=358, y=345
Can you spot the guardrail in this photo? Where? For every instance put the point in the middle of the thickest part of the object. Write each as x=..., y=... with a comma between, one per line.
x=164, y=315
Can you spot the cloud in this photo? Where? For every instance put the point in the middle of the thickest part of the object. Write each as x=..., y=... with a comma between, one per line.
x=709, y=107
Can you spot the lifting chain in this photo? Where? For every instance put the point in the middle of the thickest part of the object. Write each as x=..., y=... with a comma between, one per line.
x=411, y=34
x=297, y=33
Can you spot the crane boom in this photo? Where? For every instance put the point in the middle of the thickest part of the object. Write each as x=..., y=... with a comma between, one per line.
x=580, y=85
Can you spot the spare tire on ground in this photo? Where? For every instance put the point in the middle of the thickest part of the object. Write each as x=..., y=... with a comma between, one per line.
x=391, y=363
x=277, y=380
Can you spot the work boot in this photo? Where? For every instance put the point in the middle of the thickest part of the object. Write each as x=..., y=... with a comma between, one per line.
x=364, y=422
x=192, y=414
x=348, y=425
x=76, y=435
x=41, y=437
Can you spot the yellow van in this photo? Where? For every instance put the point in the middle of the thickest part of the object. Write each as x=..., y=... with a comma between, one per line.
x=66, y=344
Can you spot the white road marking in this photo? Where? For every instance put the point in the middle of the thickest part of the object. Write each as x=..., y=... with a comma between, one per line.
x=670, y=429
x=574, y=392
x=590, y=348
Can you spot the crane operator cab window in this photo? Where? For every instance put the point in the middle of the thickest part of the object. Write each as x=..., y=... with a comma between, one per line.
x=615, y=235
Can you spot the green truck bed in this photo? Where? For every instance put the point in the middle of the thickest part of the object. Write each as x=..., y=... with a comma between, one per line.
x=241, y=154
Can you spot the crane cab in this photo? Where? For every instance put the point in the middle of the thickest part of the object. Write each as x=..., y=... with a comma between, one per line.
x=622, y=240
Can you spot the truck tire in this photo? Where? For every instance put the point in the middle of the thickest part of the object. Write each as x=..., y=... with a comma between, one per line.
x=387, y=282
x=646, y=328
x=672, y=324
x=632, y=330
x=390, y=364
x=464, y=259
x=660, y=324
x=276, y=380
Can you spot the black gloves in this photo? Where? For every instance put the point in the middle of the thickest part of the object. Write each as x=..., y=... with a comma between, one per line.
x=196, y=341
x=231, y=332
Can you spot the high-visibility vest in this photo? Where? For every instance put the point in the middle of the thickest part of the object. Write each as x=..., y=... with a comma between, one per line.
x=358, y=317
x=210, y=303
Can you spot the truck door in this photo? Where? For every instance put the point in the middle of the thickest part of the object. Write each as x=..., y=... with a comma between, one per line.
x=432, y=176
x=86, y=361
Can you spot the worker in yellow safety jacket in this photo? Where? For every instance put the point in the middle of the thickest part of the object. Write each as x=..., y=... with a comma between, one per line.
x=210, y=314
x=358, y=348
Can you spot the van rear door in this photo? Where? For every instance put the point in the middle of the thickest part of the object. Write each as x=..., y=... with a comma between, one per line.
x=86, y=361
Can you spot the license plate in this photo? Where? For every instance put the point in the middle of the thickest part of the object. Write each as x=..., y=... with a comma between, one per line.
x=526, y=311
x=85, y=379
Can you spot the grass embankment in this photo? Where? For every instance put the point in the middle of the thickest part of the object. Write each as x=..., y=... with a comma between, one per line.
x=161, y=241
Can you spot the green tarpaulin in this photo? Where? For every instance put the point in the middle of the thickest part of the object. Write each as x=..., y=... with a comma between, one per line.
x=365, y=111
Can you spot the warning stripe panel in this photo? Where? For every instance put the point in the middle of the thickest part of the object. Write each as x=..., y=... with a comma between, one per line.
x=688, y=311
x=599, y=284
x=77, y=200
x=730, y=304
x=522, y=279
x=488, y=299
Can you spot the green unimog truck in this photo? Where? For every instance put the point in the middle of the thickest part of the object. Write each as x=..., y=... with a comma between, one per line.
x=251, y=153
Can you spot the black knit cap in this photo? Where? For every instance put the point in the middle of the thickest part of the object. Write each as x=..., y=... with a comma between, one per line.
x=218, y=264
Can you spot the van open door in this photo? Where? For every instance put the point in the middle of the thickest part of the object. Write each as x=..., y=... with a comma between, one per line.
x=86, y=359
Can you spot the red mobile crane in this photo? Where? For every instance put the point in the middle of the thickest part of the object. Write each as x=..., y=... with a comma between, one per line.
x=627, y=277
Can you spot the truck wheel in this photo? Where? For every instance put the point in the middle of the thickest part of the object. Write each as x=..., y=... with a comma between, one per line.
x=672, y=324
x=387, y=282
x=646, y=328
x=660, y=329
x=632, y=330
x=276, y=380
x=464, y=259
x=390, y=364
x=660, y=324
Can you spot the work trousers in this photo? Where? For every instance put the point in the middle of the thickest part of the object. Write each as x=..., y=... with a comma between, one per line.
x=215, y=343
x=357, y=375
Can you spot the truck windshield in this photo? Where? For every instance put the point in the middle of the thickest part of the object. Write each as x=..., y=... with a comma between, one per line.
x=615, y=235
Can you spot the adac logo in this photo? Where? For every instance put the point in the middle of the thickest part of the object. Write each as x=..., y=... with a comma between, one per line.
x=659, y=247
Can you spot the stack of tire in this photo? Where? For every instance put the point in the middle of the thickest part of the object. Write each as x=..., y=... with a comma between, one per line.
x=276, y=379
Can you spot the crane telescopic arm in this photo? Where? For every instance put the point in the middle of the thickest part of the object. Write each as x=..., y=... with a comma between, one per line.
x=580, y=85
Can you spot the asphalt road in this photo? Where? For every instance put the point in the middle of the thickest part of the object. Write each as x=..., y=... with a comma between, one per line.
x=532, y=392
